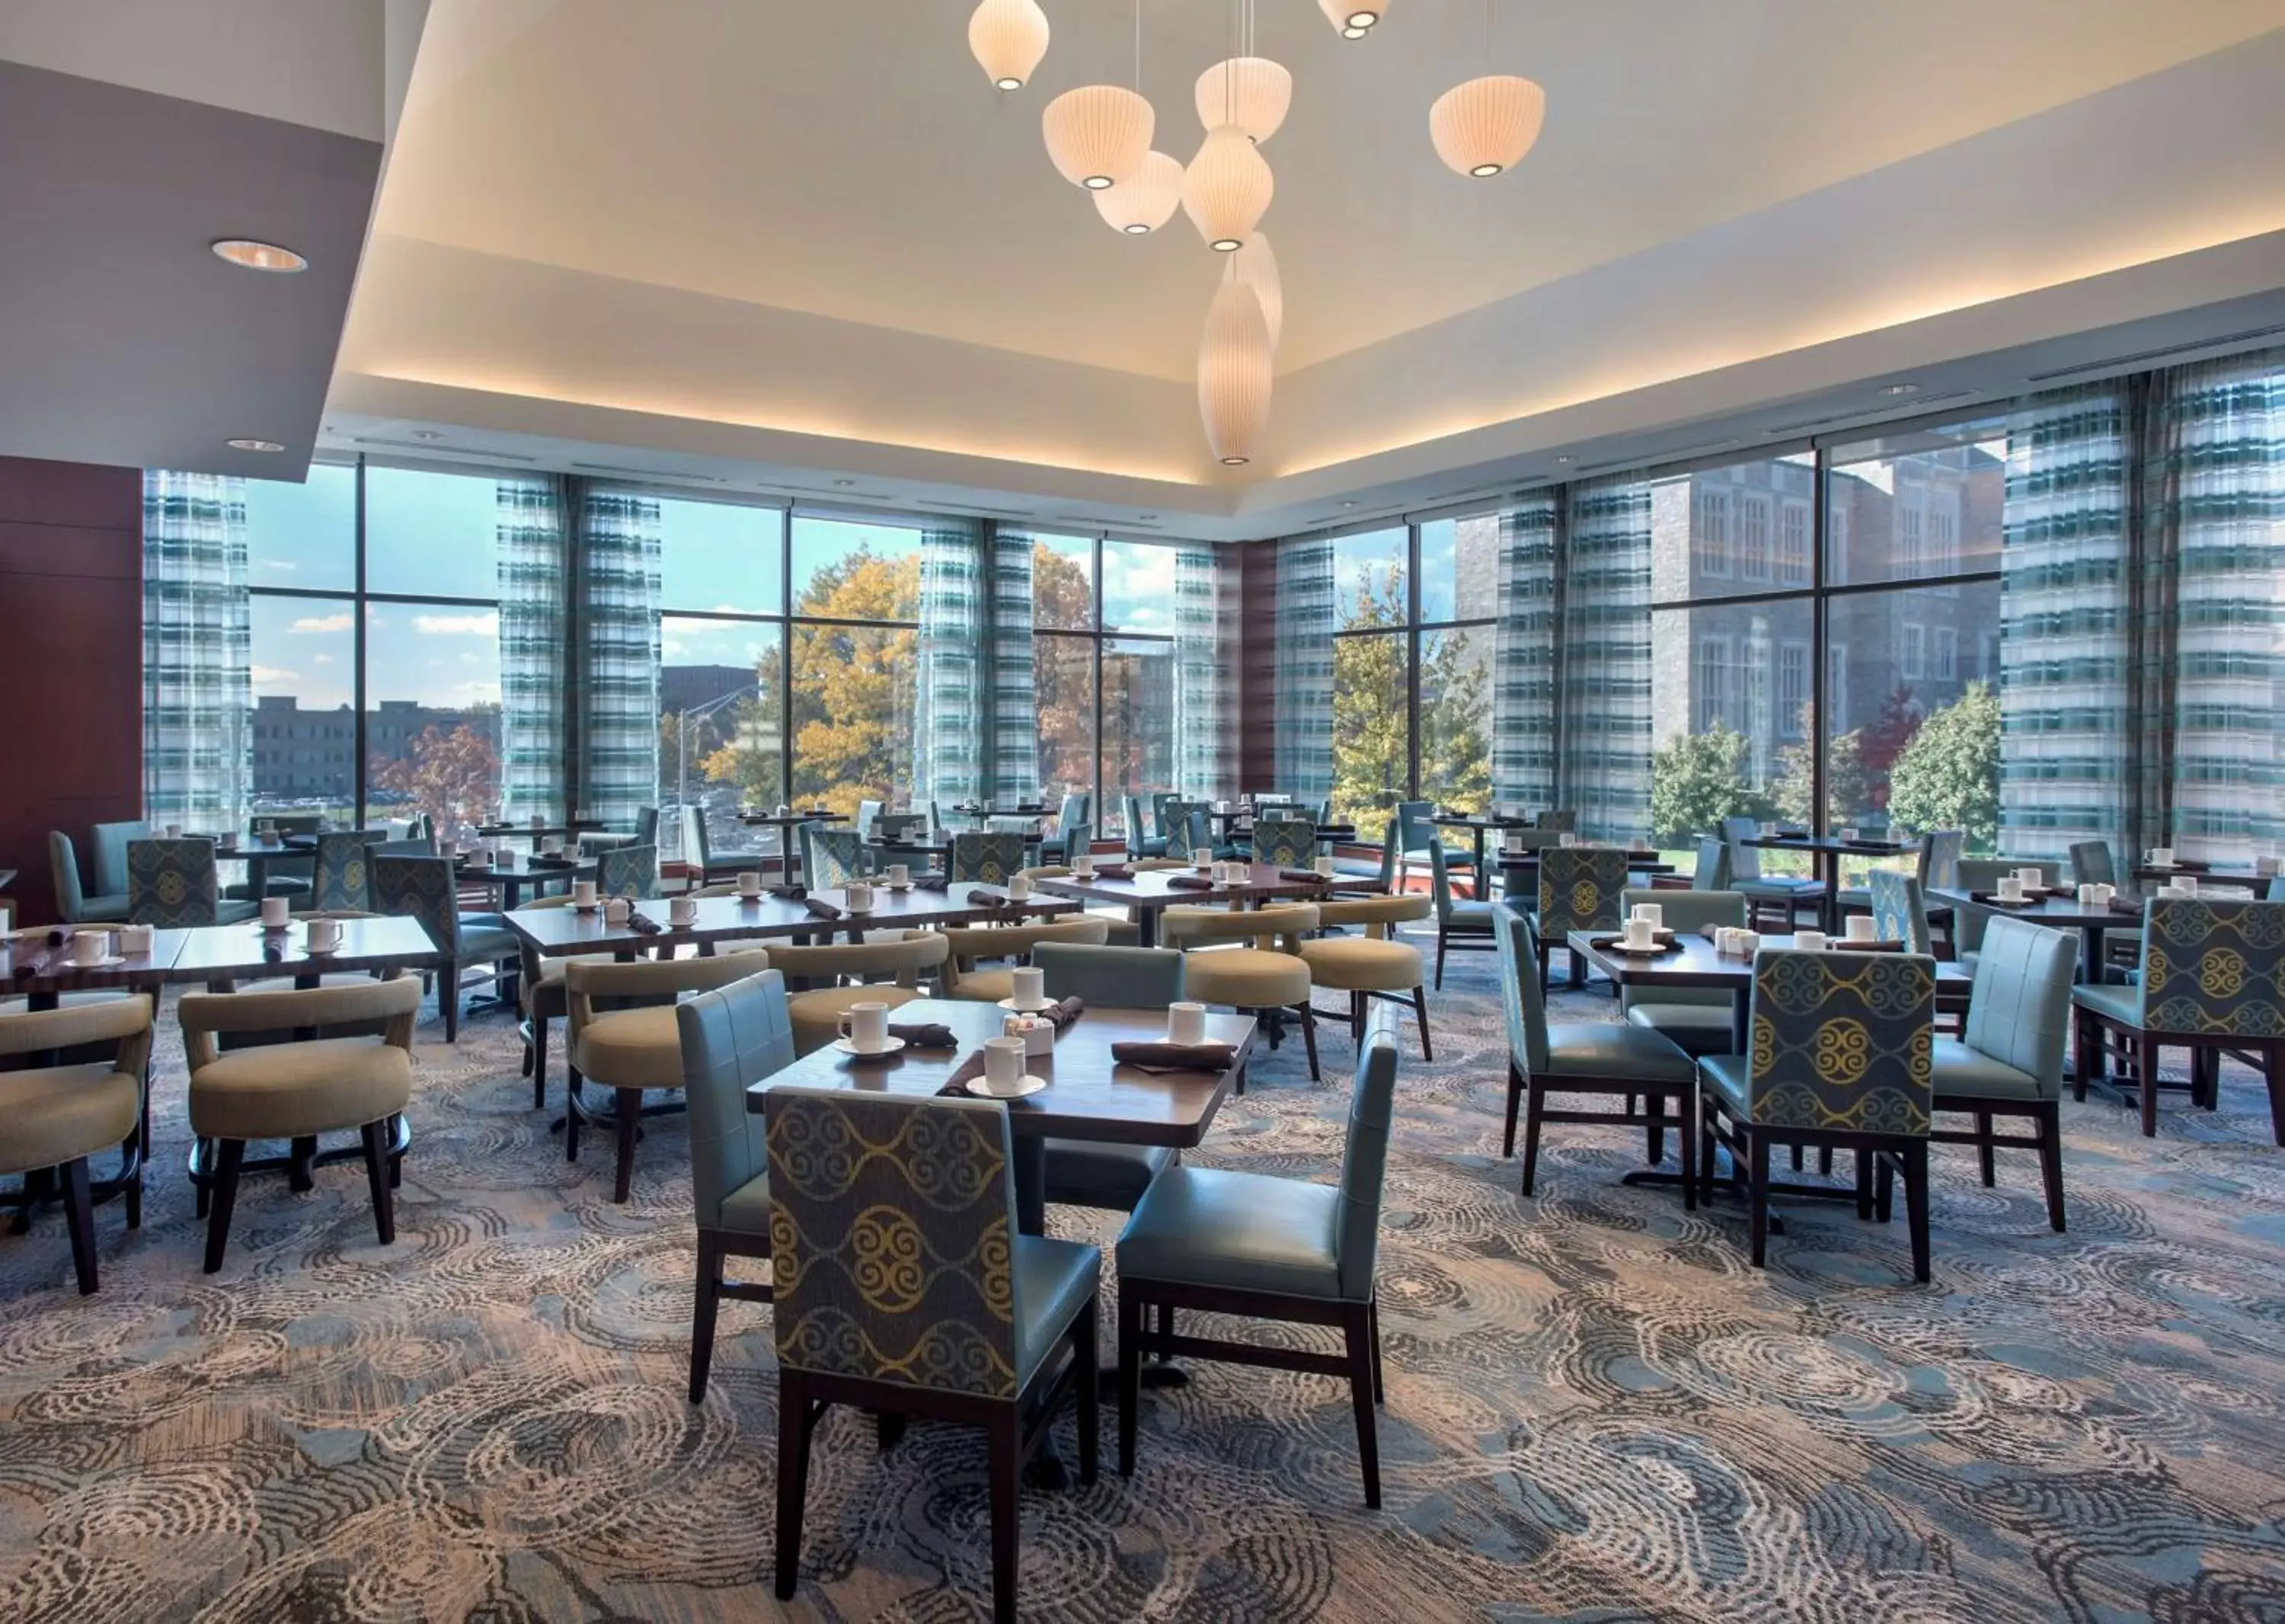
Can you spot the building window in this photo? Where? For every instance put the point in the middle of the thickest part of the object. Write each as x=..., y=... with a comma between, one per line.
x=1713, y=533
x=1912, y=651
x=1947, y=654
x=1753, y=538
x=1717, y=675
x=1793, y=689
x=1837, y=679
x=1912, y=556
x=1793, y=543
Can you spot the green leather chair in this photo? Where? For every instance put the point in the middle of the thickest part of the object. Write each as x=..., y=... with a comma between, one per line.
x=107, y=844
x=74, y=905
x=630, y=872
x=1983, y=874
x=1072, y=819
x=1417, y=837
x=991, y=858
x=1255, y=1246
x=1085, y=1172
x=2090, y=863
x=1140, y=841
x=1711, y=872
x=732, y=1038
x=1696, y=1020
x=172, y=883
x=427, y=888
x=1789, y=894
x=2010, y=1061
x=994, y=1328
x=702, y=864
x=645, y=833
x=1842, y=1059
x=1590, y=1057
x=1288, y=842
x=1580, y=887
x=1468, y=920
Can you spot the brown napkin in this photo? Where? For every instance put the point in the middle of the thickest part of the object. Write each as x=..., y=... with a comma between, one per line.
x=642, y=922
x=2126, y=904
x=1062, y=1013
x=985, y=893
x=1304, y=873
x=820, y=908
x=1190, y=881
x=923, y=1035
x=789, y=893
x=1158, y=1056
x=931, y=882
x=967, y=1071
x=1113, y=871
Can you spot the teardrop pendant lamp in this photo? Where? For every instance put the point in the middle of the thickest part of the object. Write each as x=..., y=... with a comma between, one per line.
x=1098, y=135
x=1008, y=38
x=1227, y=189
x=1487, y=125
x=1140, y=206
x=1353, y=19
x=1235, y=372
x=1256, y=266
x=1251, y=92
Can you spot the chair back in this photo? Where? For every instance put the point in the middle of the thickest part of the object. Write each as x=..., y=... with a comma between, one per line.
x=1289, y=841
x=1899, y=912
x=1364, y=1166
x=424, y=887
x=1581, y=888
x=1076, y=838
x=892, y=1232
x=1414, y=831
x=1712, y=873
x=1188, y=830
x=1687, y=913
x=1843, y=1041
x=2020, y=1011
x=831, y=856
x=340, y=879
x=1131, y=808
x=646, y=826
x=732, y=1038
x=1745, y=860
x=1161, y=825
x=869, y=819
x=1940, y=851
x=2276, y=891
x=627, y=871
x=1525, y=1005
x=2214, y=968
x=1073, y=810
x=296, y=823
x=989, y=859
x=1439, y=875
x=971, y=945
x=890, y=828
x=63, y=869
x=694, y=852
x=1112, y=978
x=171, y=883
x=108, y=847
x=1561, y=820
x=2090, y=863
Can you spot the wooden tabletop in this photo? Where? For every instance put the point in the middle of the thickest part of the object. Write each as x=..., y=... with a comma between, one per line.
x=731, y=919
x=1694, y=963
x=1265, y=882
x=242, y=952
x=2247, y=879
x=788, y=820
x=2063, y=912
x=27, y=964
x=1833, y=844
x=1088, y=1096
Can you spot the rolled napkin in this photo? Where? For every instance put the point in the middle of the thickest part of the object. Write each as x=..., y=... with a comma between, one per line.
x=820, y=908
x=964, y=1073
x=2029, y=899
x=1061, y=1014
x=1157, y=1054
x=789, y=893
x=1304, y=873
x=931, y=882
x=923, y=1035
x=1190, y=883
x=985, y=893
x=2127, y=904
x=639, y=920
x=1113, y=871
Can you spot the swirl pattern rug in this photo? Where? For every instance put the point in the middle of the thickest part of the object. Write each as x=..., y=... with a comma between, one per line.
x=1595, y=1410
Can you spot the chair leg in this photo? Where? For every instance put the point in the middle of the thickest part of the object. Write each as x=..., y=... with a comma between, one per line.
x=539, y=1062
x=703, y=1309
x=1006, y=1451
x=375, y=1135
x=1655, y=1130
x=1309, y=1039
x=576, y=1097
x=1442, y=940
x=1086, y=1361
x=448, y=994
x=79, y=1217
x=1357, y=1330
x=1534, y=1105
x=1759, y=1195
x=630, y=1121
x=1130, y=1375
x=793, y=1479
x=2051, y=1159
x=1863, y=1187
x=202, y=1194
x=1800, y=1153
x=229, y=1155
x=2149, y=1064
x=1706, y=1151
x=2087, y=1045
x=1514, y=1104
x=2275, y=1076
x=1987, y=1158
x=1916, y=1205
x=1420, y=1016
x=1356, y=1021
x=1373, y=1331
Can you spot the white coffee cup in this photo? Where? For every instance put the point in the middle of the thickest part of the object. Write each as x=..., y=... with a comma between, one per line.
x=174, y=831
x=90, y=946
x=682, y=911
x=1029, y=986
x=583, y=894
x=539, y=820
x=1325, y=865
x=1003, y=1064
x=267, y=828
x=1810, y=941
x=2161, y=857
x=1019, y=887
x=325, y=935
x=618, y=911
x=1186, y=1023
x=861, y=896
x=134, y=940
x=2090, y=896
x=2032, y=876
x=2103, y=894
x=900, y=874
x=276, y=913
x=749, y=882
x=1652, y=912
x=2188, y=885
x=1221, y=806
x=1857, y=928
x=868, y=1027
x=2011, y=888
x=551, y=846
x=783, y=811
x=1640, y=933
x=1083, y=865
x=1568, y=838
x=1749, y=943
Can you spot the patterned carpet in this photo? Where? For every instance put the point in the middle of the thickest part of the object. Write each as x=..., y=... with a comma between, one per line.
x=1595, y=1410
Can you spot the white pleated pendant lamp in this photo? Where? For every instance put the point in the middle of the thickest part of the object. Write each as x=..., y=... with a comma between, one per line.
x=1008, y=37
x=1098, y=135
x=1251, y=92
x=1235, y=372
x=1227, y=189
x=1353, y=19
x=1256, y=266
x=1487, y=125
x=1140, y=206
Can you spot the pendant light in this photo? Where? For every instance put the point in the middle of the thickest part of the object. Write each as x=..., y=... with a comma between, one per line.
x=1235, y=372
x=1251, y=92
x=1098, y=135
x=1353, y=19
x=1256, y=266
x=1487, y=125
x=1140, y=206
x=1008, y=37
x=1227, y=189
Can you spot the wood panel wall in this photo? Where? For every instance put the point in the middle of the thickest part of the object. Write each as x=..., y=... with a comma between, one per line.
x=71, y=662
x=1257, y=667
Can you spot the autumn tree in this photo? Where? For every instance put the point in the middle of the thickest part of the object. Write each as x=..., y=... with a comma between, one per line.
x=1063, y=672
x=852, y=685
x=1885, y=740
x=453, y=776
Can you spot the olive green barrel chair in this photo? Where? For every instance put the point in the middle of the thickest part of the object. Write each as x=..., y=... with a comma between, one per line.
x=836, y=976
x=1373, y=965
x=58, y=1115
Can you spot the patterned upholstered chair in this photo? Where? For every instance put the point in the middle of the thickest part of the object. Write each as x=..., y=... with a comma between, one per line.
x=172, y=883
x=2212, y=979
x=74, y=905
x=427, y=888
x=1288, y=842
x=630, y=872
x=58, y=1115
x=1898, y=913
x=1561, y=820
x=1071, y=819
x=2090, y=863
x=340, y=877
x=832, y=856
x=1140, y=841
x=1085, y=1172
x=1011, y=944
x=987, y=858
x=1373, y=964
x=1580, y=887
x=1465, y=920
x=1696, y=1020
x=731, y=1038
x=2010, y=1061
x=1787, y=894
x=882, y=971
x=1842, y=1057
x=1255, y=1246
x=1190, y=832
x=904, y=1288
x=1248, y=960
x=1596, y=1057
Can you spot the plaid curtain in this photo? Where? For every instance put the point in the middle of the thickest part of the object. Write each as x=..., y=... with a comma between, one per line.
x=948, y=753
x=1305, y=667
x=1606, y=674
x=1201, y=734
x=1012, y=770
x=2064, y=648
x=528, y=528
x=198, y=690
x=1524, y=655
x=618, y=568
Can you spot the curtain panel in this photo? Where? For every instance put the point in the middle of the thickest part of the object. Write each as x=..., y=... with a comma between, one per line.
x=1525, y=688
x=1012, y=762
x=1604, y=678
x=1304, y=702
x=618, y=571
x=1202, y=752
x=197, y=675
x=950, y=744
x=528, y=536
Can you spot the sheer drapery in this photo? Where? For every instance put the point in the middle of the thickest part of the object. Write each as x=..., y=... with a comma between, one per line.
x=1305, y=667
x=618, y=571
x=949, y=750
x=1606, y=672
x=527, y=530
x=1524, y=686
x=1012, y=765
x=1201, y=737
x=198, y=688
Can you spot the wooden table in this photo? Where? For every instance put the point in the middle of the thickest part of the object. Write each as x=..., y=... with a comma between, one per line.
x=2243, y=879
x=733, y=919
x=1826, y=851
x=785, y=823
x=538, y=832
x=1479, y=826
x=387, y=943
x=257, y=854
x=1089, y=1096
x=2061, y=913
x=512, y=871
x=1148, y=894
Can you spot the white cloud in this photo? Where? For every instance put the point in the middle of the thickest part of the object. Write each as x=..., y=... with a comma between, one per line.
x=323, y=659
x=323, y=622
x=672, y=647
x=279, y=563
x=263, y=674
x=485, y=625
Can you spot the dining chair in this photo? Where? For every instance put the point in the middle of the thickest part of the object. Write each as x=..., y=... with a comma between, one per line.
x=2009, y=1061
x=989, y=1328
x=973, y=945
x=1600, y=1058
x=298, y=1088
x=699, y=859
x=1787, y=894
x=1371, y=965
x=1289, y=842
x=427, y=888
x=74, y=905
x=1898, y=913
x=107, y=844
x=1842, y=1057
x=1072, y=816
x=1983, y=874
x=869, y=820
x=57, y=1114
x=1190, y=832
x=1466, y=921
x=2212, y=979
x=630, y=872
x=731, y=1038
x=1580, y=887
x=1418, y=837
x=1696, y=1020
x=832, y=856
x=171, y=884
x=1562, y=820
x=1711, y=870
x=882, y=971
x=1096, y=1173
x=2090, y=863
x=339, y=876
x=1209, y=1240
x=645, y=833
x=1248, y=960
x=542, y=996
x=1140, y=841
x=988, y=859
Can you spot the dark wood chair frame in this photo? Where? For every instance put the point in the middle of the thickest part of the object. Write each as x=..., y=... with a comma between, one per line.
x=2046, y=1138
x=1749, y=1144
x=383, y=1142
x=1361, y=1004
x=2099, y=1038
x=1530, y=1094
x=715, y=1246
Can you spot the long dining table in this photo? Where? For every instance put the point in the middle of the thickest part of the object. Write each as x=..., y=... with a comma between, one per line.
x=1147, y=893
x=718, y=920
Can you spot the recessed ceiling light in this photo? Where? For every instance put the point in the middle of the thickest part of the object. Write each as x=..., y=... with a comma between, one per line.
x=1900, y=389
x=260, y=256
x=844, y=483
x=1566, y=457
x=255, y=446
x=1348, y=504
x=427, y=434
x=1145, y=518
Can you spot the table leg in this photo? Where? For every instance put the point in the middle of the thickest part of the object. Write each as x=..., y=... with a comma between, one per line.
x=1146, y=926
x=2090, y=963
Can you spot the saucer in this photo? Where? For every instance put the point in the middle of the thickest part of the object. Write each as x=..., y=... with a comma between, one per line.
x=1026, y=1085
x=320, y=952
x=109, y=960
x=848, y=1045
x=895, y=890
x=587, y=907
x=1041, y=1007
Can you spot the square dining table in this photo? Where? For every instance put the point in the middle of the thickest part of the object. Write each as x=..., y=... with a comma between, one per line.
x=718, y=920
x=1825, y=851
x=1151, y=892
x=2057, y=911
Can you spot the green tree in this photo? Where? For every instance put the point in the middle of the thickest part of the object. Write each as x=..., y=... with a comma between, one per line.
x=1699, y=779
x=1063, y=672
x=1371, y=737
x=1948, y=776
x=1844, y=774
x=1455, y=757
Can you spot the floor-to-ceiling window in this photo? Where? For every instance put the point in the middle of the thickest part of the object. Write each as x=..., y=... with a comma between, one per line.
x=1458, y=574
x=1372, y=676
x=301, y=568
x=854, y=627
